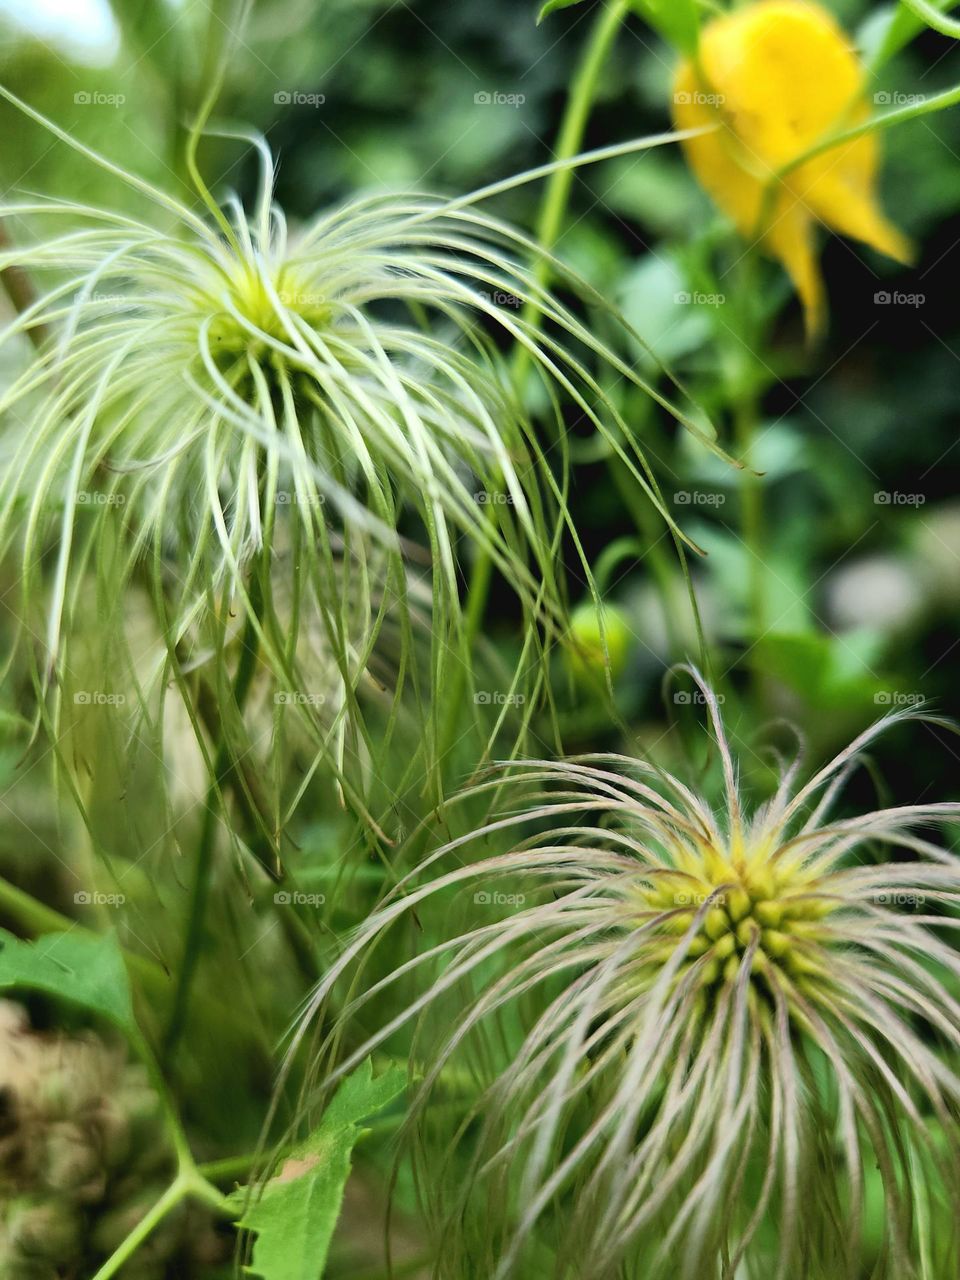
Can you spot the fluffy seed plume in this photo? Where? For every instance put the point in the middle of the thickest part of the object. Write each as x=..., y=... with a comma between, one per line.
x=214, y=391
x=701, y=1040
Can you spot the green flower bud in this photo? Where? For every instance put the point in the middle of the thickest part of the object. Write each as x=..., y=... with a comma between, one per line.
x=586, y=657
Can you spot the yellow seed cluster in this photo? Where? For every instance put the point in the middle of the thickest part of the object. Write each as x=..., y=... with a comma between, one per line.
x=749, y=898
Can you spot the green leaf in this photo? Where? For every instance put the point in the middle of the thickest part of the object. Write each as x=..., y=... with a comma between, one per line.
x=552, y=5
x=297, y=1210
x=676, y=20
x=832, y=674
x=84, y=968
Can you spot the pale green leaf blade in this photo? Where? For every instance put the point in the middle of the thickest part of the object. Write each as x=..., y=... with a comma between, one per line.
x=295, y=1215
x=83, y=968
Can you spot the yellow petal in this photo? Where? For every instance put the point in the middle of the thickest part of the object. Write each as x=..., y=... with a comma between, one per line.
x=848, y=205
x=778, y=76
x=791, y=238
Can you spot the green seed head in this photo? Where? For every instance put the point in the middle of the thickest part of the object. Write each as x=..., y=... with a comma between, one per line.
x=739, y=904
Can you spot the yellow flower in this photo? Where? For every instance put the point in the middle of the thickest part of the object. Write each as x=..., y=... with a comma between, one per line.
x=780, y=76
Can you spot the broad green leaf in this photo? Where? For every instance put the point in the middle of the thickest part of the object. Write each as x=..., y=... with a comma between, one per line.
x=552, y=5
x=832, y=674
x=676, y=20
x=84, y=968
x=297, y=1210
x=654, y=296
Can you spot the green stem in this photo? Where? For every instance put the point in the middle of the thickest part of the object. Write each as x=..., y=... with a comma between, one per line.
x=885, y=120
x=746, y=414
x=169, y=1201
x=751, y=512
x=569, y=142
x=549, y=226
x=200, y=892
x=32, y=916
x=478, y=593
x=187, y=1184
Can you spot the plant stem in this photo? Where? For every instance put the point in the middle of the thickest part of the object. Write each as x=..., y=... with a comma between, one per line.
x=746, y=414
x=569, y=141
x=200, y=892
x=549, y=225
x=187, y=1184
x=170, y=1199
x=751, y=513
x=33, y=916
